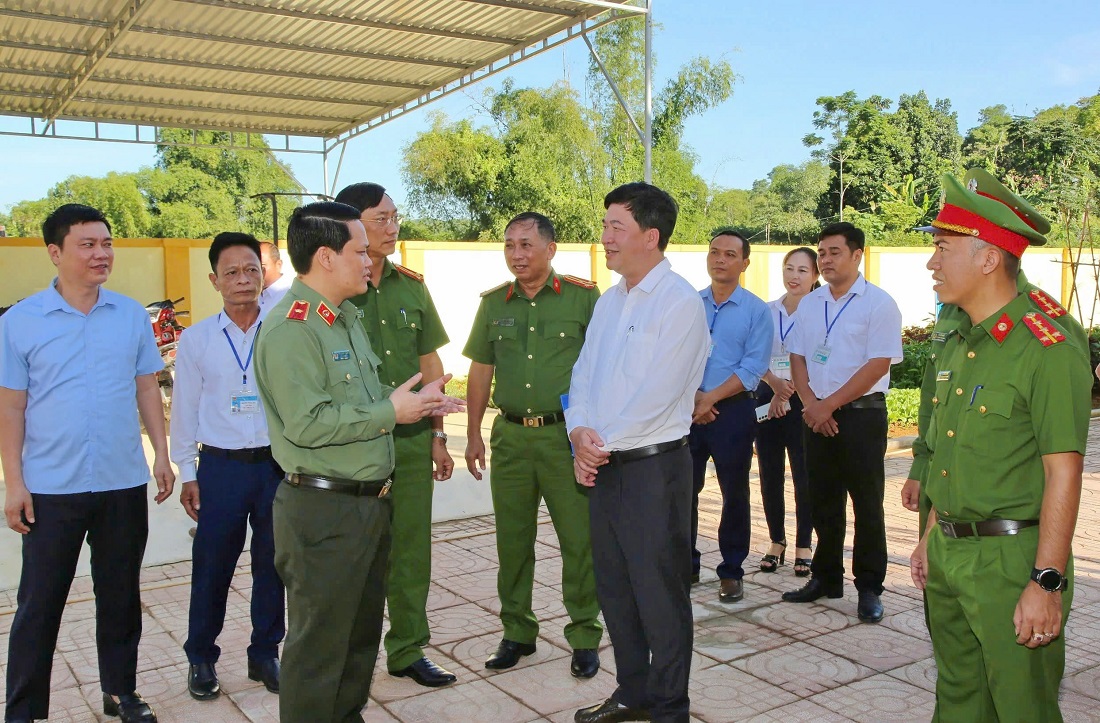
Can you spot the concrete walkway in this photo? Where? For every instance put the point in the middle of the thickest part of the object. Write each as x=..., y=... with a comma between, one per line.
x=759, y=660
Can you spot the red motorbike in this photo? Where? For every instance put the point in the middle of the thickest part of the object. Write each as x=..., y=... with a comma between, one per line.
x=166, y=330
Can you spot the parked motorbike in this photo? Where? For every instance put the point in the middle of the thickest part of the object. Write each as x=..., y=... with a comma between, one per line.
x=166, y=329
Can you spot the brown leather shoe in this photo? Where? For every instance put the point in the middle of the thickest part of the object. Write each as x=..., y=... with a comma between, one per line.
x=731, y=591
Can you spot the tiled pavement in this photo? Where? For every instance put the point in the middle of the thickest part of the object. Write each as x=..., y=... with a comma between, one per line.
x=758, y=660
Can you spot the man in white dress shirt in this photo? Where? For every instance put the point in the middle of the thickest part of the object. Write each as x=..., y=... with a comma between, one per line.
x=847, y=335
x=220, y=444
x=276, y=283
x=630, y=404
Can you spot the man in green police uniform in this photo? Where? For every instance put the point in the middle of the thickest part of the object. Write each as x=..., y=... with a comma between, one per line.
x=947, y=322
x=1006, y=442
x=403, y=325
x=530, y=332
x=330, y=421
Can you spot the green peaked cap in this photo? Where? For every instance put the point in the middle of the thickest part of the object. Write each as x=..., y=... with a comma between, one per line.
x=982, y=207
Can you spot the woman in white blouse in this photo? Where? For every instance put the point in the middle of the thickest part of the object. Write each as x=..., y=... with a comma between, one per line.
x=781, y=432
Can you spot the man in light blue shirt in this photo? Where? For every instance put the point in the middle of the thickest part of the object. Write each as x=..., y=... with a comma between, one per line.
x=724, y=419
x=221, y=446
x=77, y=365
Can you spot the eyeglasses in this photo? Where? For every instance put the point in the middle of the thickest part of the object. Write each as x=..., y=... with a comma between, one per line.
x=395, y=219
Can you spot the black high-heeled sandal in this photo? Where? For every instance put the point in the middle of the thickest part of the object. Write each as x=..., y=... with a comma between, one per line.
x=770, y=562
x=803, y=566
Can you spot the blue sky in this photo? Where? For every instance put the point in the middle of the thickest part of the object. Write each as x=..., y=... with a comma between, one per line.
x=786, y=53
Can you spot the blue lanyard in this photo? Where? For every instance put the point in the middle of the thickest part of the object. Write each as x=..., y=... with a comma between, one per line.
x=248, y=361
x=783, y=334
x=829, y=326
x=717, y=308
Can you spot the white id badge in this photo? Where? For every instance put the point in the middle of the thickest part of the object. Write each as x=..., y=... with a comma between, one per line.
x=710, y=350
x=780, y=364
x=821, y=354
x=244, y=402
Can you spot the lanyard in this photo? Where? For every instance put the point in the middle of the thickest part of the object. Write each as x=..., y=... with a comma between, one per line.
x=248, y=361
x=783, y=334
x=829, y=326
x=717, y=308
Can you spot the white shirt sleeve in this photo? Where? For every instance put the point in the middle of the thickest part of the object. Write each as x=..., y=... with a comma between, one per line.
x=884, y=331
x=186, y=393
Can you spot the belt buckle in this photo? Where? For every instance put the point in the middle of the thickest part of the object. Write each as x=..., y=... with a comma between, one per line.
x=293, y=479
x=385, y=488
x=948, y=529
x=532, y=421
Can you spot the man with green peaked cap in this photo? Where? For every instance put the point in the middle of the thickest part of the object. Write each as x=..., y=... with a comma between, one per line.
x=947, y=322
x=1006, y=443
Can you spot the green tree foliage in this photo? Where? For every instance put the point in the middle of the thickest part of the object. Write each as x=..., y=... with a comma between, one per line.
x=191, y=192
x=544, y=150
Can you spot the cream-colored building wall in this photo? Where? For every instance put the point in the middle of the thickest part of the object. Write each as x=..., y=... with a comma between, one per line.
x=204, y=301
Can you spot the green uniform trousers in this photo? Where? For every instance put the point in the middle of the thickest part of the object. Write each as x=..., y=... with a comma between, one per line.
x=529, y=463
x=411, y=552
x=973, y=586
x=331, y=550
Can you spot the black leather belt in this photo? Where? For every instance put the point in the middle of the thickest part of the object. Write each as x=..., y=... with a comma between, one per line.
x=537, y=420
x=252, y=454
x=875, y=400
x=739, y=396
x=633, y=455
x=984, y=528
x=373, y=488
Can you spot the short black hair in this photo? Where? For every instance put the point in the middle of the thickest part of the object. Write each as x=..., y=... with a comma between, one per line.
x=56, y=226
x=542, y=224
x=746, y=247
x=228, y=239
x=361, y=195
x=650, y=207
x=852, y=236
x=314, y=225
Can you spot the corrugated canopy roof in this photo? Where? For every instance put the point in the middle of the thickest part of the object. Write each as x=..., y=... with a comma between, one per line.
x=318, y=68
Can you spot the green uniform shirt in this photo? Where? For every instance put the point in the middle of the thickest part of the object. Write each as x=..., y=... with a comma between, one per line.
x=948, y=321
x=533, y=343
x=402, y=324
x=327, y=412
x=1002, y=400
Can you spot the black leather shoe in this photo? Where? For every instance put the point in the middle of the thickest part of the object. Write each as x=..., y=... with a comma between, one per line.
x=695, y=577
x=202, y=682
x=585, y=663
x=813, y=590
x=731, y=591
x=265, y=671
x=609, y=712
x=870, y=607
x=426, y=673
x=19, y=720
x=508, y=654
x=130, y=708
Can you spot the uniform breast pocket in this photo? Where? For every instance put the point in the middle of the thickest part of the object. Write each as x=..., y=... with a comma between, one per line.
x=408, y=321
x=502, y=334
x=345, y=383
x=987, y=418
x=561, y=342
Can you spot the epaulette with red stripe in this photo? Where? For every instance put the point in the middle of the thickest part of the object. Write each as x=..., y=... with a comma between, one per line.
x=410, y=273
x=299, y=310
x=495, y=288
x=578, y=281
x=1047, y=305
x=1043, y=329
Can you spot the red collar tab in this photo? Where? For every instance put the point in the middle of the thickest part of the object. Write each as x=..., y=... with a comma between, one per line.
x=326, y=313
x=511, y=290
x=299, y=310
x=1047, y=305
x=959, y=220
x=1001, y=328
x=1043, y=330
x=557, y=285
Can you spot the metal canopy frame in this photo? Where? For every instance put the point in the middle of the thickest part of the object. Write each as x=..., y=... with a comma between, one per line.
x=106, y=70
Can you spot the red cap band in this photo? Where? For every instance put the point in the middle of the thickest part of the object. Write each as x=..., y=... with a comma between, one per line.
x=953, y=218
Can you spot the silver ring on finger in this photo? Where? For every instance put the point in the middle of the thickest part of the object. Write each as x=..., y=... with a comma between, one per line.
x=1038, y=637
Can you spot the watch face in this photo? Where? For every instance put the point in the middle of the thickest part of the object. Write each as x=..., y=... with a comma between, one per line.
x=1050, y=580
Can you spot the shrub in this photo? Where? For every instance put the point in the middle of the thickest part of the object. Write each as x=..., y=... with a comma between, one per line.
x=916, y=348
x=902, y=406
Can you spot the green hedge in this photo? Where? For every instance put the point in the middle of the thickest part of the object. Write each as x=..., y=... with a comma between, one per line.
x=902, y=406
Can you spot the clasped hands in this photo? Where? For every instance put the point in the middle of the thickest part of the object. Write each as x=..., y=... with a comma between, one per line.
x=588, y=455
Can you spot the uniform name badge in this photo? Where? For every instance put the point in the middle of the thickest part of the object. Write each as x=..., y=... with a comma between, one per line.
x=821, y=354
x=244, y=402
x=780, y=363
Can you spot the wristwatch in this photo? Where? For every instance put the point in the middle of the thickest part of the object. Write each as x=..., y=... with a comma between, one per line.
x=437, y=434
x=1050, y=579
